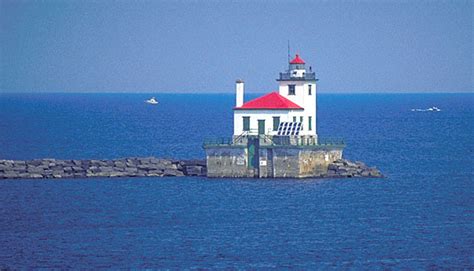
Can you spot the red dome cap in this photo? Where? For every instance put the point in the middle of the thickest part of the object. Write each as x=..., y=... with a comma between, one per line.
x=297, y=60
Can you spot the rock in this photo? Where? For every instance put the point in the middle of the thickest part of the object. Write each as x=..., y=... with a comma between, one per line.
x=60, y=163
x=375, y=172
x=10, y=175
x=24, y=175
x=118, y=169
x=119, y=164
x=142, y=172
x=143, y=166
x=85, y=164
x=103, y=174
x=69, y=163
x=36, y=162
x=350, y=164
x=195, y=162
x=131, y=170
x=192, y=171
x=155, y=173
x=341, y=170
x=108, y=163
x=34, y=169
x=77, y=162
x=118, y=174
x=172, y=172
x=132, y=161
x=97, y=163
x=93, y=169
x=19, y=168
x=77, y=169
x=36, y=176
x=57, y=167
x=160, y=161
x=68, y=175
x=106, y=169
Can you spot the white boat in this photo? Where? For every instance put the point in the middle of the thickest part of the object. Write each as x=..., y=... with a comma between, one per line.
x=151, y=101
x=431, y=109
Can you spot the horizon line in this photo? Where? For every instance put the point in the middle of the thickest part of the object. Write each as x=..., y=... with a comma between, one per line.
x=228, y=92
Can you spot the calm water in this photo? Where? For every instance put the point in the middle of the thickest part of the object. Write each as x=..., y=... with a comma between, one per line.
x=420, y=217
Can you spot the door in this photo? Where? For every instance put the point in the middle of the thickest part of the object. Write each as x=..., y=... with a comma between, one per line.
x=261, y=127
x=252, y=145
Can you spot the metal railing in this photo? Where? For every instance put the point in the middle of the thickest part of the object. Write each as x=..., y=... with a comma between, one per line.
x=222, y=141
x=331, y=141
x=289, y=76
x=276, y=141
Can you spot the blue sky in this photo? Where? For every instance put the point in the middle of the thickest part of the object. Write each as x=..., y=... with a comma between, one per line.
x=178, y=46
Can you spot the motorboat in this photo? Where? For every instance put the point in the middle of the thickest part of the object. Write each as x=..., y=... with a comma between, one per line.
x=431, y=109
x=151, y=101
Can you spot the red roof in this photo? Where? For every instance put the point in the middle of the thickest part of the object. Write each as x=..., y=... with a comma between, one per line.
x=297, y=60
x=272, y=101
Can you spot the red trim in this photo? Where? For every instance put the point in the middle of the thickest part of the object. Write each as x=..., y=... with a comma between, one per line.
x=297, y=60
x=271, y=101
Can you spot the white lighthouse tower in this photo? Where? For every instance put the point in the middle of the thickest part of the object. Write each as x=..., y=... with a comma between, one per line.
x=299, y=86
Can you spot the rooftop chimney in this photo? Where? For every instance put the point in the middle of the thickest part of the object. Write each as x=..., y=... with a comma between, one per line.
x=239, y=93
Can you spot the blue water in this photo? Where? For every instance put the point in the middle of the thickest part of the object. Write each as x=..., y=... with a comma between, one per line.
x=420, y=217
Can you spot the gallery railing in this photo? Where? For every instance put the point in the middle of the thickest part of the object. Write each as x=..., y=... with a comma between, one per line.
x=289, y=76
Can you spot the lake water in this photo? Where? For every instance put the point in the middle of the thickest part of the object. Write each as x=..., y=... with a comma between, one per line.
x=420, y=217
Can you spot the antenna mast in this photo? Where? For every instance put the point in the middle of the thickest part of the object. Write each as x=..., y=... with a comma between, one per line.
x=289, y=51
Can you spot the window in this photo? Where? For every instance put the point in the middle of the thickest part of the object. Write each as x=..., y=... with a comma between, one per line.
x=276, y=123
x=261, y=127
x=309, y=123
x=291, y=89
x=301, y=119
x=309, y=89
x=294, y=119
x=246, y=123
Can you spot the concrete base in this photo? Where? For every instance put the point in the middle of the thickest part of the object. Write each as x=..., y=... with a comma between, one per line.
x=229, y=161
x=288, y=161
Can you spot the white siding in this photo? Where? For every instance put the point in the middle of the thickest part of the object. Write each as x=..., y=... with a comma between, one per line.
x=267, y=115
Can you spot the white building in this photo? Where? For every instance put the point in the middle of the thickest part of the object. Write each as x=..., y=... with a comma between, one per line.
x=295, y=101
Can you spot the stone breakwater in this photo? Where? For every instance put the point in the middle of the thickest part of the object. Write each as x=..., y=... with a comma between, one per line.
x=127, y=167
x=144, y=167
x=343, y=168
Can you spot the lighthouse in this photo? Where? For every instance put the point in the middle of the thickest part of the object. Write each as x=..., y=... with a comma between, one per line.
x=293, y=104
x=275, y=135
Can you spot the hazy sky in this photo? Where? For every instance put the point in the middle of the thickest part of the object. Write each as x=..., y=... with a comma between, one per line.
x=191, y=46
